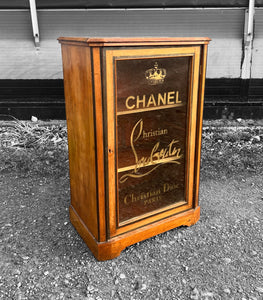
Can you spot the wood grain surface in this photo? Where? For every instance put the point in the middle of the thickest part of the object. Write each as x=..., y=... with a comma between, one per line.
x=119, y=170
x=81, y=133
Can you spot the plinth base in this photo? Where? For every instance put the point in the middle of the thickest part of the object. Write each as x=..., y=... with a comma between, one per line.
x=113, y=247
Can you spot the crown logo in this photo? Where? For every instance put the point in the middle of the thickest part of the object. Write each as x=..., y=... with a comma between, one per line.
x=155, y=75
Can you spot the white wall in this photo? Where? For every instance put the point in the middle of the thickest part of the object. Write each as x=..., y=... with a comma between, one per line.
x=20, y=60
x=257, y=59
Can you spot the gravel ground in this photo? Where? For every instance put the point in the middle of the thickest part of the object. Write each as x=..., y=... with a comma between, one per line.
x=220, y=257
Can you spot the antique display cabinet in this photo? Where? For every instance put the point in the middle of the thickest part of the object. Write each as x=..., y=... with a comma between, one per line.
x=134, y=116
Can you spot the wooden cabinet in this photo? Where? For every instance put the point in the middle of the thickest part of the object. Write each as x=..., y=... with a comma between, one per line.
x=134, y=116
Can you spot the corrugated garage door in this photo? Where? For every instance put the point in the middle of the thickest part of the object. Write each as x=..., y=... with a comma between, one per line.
x=20, y=60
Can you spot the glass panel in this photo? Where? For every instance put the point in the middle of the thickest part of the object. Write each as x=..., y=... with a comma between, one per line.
x=151, y=104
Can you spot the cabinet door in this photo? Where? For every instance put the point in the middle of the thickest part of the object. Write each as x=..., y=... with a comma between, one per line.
x=151, y=103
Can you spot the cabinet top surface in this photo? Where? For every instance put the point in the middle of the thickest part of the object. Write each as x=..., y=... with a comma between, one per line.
x=141, y=41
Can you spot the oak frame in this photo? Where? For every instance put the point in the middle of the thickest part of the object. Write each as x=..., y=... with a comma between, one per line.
x=86, y=79
x=110, y=58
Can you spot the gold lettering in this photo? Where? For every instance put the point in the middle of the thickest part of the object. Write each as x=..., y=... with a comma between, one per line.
x=133, y=199
x=155, y=154
x=161, y=98
x=153, y=133
x=145, y=134
x=169, y=154
x=170, y=98
x=165, y=188
x=144, y=197
x=138, y=101
x=152, y=200
x=125, y=200
x=151, y=101
x=177, y=101
x=127, y=102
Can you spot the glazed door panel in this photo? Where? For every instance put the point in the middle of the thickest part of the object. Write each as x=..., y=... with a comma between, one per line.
x=151, y=111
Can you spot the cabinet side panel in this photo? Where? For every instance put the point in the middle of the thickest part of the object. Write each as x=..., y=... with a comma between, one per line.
x=81, y=133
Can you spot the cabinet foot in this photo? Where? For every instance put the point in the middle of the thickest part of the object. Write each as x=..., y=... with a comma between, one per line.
x=114, y=246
